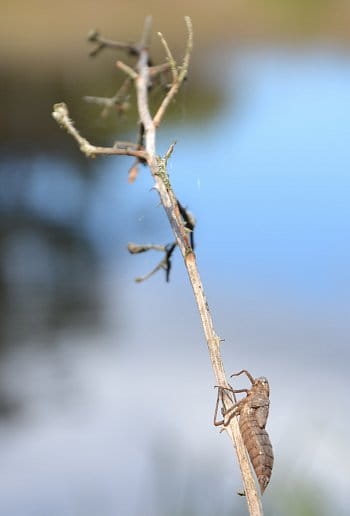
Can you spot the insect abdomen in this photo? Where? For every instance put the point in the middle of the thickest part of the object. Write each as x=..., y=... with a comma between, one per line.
x=259, y=448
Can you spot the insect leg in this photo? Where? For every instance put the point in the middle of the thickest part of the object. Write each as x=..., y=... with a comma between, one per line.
x=221, y=390
x=232, y=411
x=245, y=372
x=220, y=396
x=233, y=391
x=229, y=390
x=217, y=423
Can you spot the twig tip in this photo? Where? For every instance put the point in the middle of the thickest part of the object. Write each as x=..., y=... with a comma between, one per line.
x=93, y=35
x=170, y=151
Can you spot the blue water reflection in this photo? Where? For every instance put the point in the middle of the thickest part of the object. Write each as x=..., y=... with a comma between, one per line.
x=276, y=173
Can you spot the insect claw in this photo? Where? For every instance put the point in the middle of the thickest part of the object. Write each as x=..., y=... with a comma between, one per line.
x=241, y=493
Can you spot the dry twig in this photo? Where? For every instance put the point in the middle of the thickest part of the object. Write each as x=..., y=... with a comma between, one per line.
x=164, y=264
x=61, y=115
x=119, y=99
x=181, y=222
x=102, y=43
x=178, y=75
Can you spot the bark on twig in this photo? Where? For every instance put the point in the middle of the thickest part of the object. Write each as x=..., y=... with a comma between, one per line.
x=61, y=115
x=181, y=222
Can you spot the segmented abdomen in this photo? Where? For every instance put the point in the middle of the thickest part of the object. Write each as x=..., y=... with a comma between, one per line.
x=258, y=445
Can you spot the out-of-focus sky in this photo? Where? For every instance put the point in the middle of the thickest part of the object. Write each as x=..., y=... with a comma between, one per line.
x=106, y=390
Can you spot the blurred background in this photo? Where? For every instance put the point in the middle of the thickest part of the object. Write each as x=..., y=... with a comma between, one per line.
x=106, y=389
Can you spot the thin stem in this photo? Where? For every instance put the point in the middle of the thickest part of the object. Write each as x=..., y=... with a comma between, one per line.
x=169, y=152
x=108, y=102
x=189, y=48
x=146, y=33
x=61, y=115
x=126, y=69
x=170, y=57
x=140, y=279
x=177, y=78
x=136, y=248
x=169, y=202
x=157, y=69
x=102, y=43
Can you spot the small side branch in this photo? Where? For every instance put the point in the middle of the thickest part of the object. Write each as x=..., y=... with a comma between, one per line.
x=61, y=115
x=119, y=99
x=171, y=60
x=178, y=75
x=158, y=69
x=102, y=43
x=164, y=264
x=137, y=249
x=127, y=69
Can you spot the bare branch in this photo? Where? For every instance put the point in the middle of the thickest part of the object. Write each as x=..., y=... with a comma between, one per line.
x=140, y=279
x=119, y=99
x=170, y=58
x=100, y=101
x=127, y=69
x=165, y=263
x=102, y=43
x=179, y=77
x=126, y=145
x=146, y=33
x=169, y=152
x=156, y=70
x=136, y=248
x=61, y=115
x=189, y=48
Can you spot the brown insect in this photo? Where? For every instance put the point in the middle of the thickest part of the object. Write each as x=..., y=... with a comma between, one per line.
x=253, y=411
